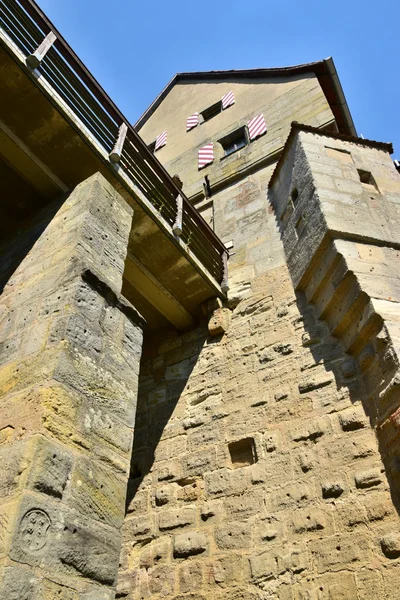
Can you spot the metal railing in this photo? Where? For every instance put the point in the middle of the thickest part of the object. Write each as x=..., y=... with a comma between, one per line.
x=47, y=51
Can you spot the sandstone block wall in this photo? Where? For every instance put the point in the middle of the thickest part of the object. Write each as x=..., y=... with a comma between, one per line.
x=339, y=208
x=256, y=473
x=70, y=348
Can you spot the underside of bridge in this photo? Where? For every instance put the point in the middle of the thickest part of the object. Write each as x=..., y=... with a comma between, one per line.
x=46, y=153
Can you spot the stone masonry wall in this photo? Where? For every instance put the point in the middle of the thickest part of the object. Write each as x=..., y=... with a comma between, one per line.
x=69, y=359
x=255, y=472
x=338, y=203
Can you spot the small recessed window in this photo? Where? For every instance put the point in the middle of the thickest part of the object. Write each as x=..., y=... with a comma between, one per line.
x=242, y=453
x=212, y=111
x=234, y=141
x=367, y=179
x=294, y=195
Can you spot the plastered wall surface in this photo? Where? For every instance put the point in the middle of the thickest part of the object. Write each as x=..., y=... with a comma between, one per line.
x=280, y=100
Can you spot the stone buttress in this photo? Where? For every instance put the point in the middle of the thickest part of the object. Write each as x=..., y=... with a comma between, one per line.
x=70, y=352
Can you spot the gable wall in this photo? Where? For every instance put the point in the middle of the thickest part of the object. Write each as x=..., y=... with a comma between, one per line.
x=281, y=100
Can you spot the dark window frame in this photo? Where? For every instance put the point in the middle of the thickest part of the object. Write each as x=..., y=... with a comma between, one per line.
x=211, y=111
x=235, y=140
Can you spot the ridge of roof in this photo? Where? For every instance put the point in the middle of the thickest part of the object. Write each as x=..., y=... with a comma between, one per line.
x=324, y=69
x=296, y=126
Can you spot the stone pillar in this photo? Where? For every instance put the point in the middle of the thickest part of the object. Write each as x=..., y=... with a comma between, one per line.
x=70, y=348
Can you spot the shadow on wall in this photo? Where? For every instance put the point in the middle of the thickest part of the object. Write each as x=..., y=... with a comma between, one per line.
x=163, y=378
x=349, y=376
x=14, y=250
x=319, y=265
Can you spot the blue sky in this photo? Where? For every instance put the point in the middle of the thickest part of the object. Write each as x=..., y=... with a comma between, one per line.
x=134, y=48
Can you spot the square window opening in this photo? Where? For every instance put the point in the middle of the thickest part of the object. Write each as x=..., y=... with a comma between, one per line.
x=367, y=179
x=235, y=141
x=211, y=111
x=242, y=453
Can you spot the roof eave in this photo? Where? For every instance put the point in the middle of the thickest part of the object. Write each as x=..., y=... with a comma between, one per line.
x=324, y=69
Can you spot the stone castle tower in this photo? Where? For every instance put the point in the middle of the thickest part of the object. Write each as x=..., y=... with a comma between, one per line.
x=199, y=336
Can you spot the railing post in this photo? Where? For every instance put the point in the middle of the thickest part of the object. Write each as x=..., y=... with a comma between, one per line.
x=225, y=277
x=177, y=226
x=115, y=154
x=34, y=60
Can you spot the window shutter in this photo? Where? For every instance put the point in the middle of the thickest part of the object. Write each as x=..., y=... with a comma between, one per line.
x=206, y=155
x=256, y=127
x=161, y=140
x=192, y=121
x=228, y=100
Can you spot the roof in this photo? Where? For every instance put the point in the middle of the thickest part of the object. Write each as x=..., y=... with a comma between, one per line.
x=295, y=127
x=324, y=70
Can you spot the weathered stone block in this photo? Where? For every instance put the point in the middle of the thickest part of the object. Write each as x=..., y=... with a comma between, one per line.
x=341, y=552
x=227, y=482
x=311, y=519
x=352, y=419
x=190, y=577
x=263, y=566
x=98, y=491
x=51, y=468
x=161, y=580
x=164, y=495
x=173, y=519
x=369, y=478
x=138, y=528
x=332, y=489
x=189, y=544
x=198, y=463
x=51, y=536
x=244, y=505
x=390, y=545
x=231, y=536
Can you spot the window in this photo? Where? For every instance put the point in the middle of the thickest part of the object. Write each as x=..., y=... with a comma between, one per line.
x=242, y=453
x=234, y=141
x=368, y=180
x=212, y=111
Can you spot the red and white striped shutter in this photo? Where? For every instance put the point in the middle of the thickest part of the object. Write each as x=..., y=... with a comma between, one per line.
x=206, y=155
x=256, y=127
x=228, y=100
x=161, y=140
x=192, y=121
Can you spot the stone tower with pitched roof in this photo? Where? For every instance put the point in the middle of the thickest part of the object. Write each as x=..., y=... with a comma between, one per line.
x=199, y=336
